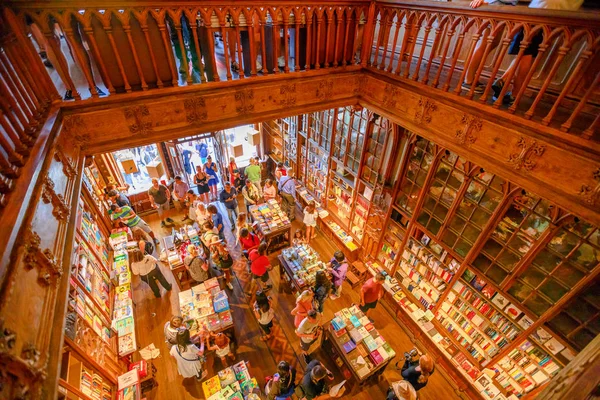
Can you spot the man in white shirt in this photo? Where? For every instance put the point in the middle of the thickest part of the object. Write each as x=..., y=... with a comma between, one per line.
x=308, y=331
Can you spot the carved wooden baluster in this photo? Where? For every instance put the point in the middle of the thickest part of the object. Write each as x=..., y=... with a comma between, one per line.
x=263, y=42
x=238, y=45
x=486, y=52
x=125, y=19
x=159, y=16
x=380, y=22
x=18, y=109
x=511, y=72
x=192, y=16
x=434, y=48
x=309, y=17
x=86, y=21
x=387, y=31
x=6, y=186
x=588, y=93
x=16, y=86
x=339, y=20
x=17, y=77
x=297, y=19
x=21, y=68
x=575, y=75
x=422, y=53
x=250, y=16
x=450, y=35
x=396, y=18
x=8, y=87
x=64, y=21
x=20, y=124
x=141, y=17
x=12, y=129
x=457, y=49
x=348, y=13
x=176, y=17
x=34, y=62
x=9, y=146
x=412, y=42
x=106, y=25
x=286, y=51
x=275, y=29
x=474, y=40
x=222, y=14
x=408, y=28
x=7, y=168
x=328, y=23
x=497, y=62
x=318, y=36
x=589, y=132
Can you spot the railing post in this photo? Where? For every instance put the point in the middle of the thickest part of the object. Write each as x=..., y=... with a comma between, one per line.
x=368, y=32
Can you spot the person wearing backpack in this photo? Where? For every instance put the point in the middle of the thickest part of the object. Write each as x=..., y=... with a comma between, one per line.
x=196, y=265
x=282, y=384
x=264, y=314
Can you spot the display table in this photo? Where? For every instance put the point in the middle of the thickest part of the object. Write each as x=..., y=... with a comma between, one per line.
x=298, y=266
x=206, y=305
x=232, y=383
x=340, y=237
x=356, y=346
x=176, y=254
x=273, y=225
x=123, y=311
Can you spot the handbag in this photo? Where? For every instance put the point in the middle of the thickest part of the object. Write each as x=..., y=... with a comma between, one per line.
x=197, y=359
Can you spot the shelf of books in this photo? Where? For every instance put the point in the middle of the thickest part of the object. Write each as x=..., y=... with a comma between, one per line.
x=316, y=178
x=340, y=195
x=80, y=381
x=273, y=137
x=289, y=126
x=391, y=243
x=123, y=318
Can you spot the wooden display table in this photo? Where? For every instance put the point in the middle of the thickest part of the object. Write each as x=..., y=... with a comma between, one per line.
x=298, y=265
x=175, y=256
x=273, y=225
x=369, y=347
x=327, y=226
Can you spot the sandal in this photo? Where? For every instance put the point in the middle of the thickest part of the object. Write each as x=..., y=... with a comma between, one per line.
x=497, y=87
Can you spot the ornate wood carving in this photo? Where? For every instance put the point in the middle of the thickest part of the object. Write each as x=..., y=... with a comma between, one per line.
x=244, y=101
x=288, y=92
x=526, y=158
x=30, y=354
x=471, y=124
x=389, y=98
x=591, y=195
x=43, y=260
x=325, y=90
x=72, y=123
x=426, y=108
x=195, y=110
x=141, y=124
x=8, y=338
x=360, y=80
x=60, y=208
x=69, y=168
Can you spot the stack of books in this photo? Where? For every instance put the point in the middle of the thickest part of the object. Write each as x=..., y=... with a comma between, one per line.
x=205, y=306
x=232, y=383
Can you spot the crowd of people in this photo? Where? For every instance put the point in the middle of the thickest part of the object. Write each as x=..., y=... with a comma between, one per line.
x=213, y=258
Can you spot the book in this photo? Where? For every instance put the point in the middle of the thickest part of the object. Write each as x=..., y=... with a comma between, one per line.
x=348, y=346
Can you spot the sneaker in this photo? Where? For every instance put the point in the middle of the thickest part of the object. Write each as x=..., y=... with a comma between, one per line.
x=100, y=91
x=508, y=99
x=204, y=375
x=229, y=285
x=68, y=95
x=479, y=88
x=170, y=220
x=497, y=87
x=156, y=241
x=162, y=224
x=333, y=297
x=48, y=64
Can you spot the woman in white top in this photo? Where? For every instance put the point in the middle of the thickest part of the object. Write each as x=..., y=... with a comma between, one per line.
x=147, y=268
x=310, y=220
x=202, y=214
x=187, y=356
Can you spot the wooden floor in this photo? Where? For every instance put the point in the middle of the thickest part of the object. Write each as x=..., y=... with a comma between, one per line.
x=152, y=313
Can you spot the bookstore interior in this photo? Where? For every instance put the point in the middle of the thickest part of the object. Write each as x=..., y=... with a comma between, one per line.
x=496, y=284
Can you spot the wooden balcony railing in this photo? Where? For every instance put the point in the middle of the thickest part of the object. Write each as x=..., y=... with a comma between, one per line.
x=443, y=45
x=95, y=50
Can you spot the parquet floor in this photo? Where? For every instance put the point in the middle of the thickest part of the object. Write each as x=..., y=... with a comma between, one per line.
x=151, y=315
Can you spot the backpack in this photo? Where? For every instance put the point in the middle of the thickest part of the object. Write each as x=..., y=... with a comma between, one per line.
x=148, y=248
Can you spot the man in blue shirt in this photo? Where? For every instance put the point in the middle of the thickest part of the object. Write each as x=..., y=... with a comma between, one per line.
x=217, y=220
x=229, y=199
x=287, y=191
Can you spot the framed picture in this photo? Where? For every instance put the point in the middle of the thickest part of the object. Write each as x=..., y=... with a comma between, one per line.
x=425, y=240
x=500, y=301
x=488, y=292
x=483, y=382
x=554, y=346
x=512, y=311
x=478, y=283
x=541, y=335
x=525, y=322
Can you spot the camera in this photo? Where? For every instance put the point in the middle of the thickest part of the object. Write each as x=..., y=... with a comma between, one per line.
x=410, y=355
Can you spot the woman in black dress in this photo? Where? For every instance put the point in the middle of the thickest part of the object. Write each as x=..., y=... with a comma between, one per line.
x=201, y=180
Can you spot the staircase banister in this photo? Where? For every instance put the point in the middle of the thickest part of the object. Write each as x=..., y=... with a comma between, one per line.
x=83, y=4
x=522, y=13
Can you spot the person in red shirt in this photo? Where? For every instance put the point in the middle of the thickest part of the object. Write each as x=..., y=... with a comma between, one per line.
x=260, y=267
x=248, y=240
x=371, y=292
